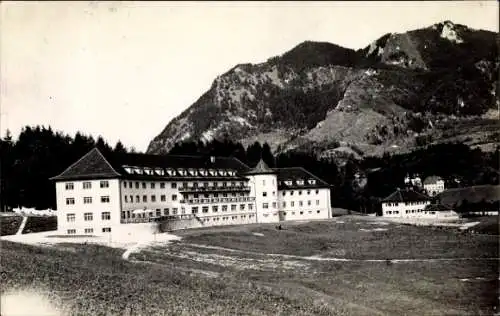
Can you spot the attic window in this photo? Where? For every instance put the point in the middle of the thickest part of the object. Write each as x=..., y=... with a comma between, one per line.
x=148, y=171
x=170, y=172
x=288, y=182
x=223, y=172
x=212, y=172
x=231, y=173
x=300, y=182
x=128, y=169
x=203, y=172
x=312, y=181
x=138, y=170
x=160, y=171
x=182, y=172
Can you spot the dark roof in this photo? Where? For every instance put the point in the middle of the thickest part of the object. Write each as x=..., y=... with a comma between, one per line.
x=407, y=195
x=261, y=168
x=297, y=173
x=432, y=179
x=96, y=165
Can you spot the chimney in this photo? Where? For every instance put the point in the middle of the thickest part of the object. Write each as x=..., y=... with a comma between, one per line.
x=212, y=159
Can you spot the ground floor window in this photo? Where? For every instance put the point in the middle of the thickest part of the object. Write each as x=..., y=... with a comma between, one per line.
x=89, y=230
x=71, y=231
x=106, y=229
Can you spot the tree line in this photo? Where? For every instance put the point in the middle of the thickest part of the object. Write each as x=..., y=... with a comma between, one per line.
x=39, y=153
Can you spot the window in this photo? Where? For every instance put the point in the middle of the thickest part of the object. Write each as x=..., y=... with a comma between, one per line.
x=105, y=199
x=165, y=211
x=106, y=229
x=214, y=208
x=130, y=184
x=301, y=212
x=224, y=208
x=264, y=193
x=194, y=209
x=274, y=204
x=71, y=231
x=300, y=192
x=89, y=230
x=174, y=197
x=317, y=202
x=70, y=217
x=292, y=204
x=283, y=193
x=87, y=185
x=300, y=203
x=242, y=207
x=163, y=198
x=309, y=202
x=233, y=194
x=263, y=182
x=88, y=216
x=174, y=210
x=317, y=191
x=144, y=198
x=144, y=185
x=291, y=192
x=69, y=186
x=106, y=216
x=265, y=205
x=152, y=185
x=162, y=185
x=104, y=184
x=216, y=195
x=308, y=192
x=153, y=198
x=195, y=195
x=125, y=184
x=137, y=185
x=204, y=209
x=137, y=199
x=126, y=198
x=284, y=204
x=87, y=200
x=233, y=207
x=158, y=212
x=174, y=185
x=70, y=201
x=250, y=207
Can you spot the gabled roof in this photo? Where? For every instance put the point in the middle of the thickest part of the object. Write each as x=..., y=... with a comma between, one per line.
x=98, y=165
x=432, y=180
x=407, y=195
x=298, y=173
x=91, y=165
x=261, y=168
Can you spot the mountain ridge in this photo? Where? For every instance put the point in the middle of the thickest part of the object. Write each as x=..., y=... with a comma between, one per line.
x=379, y=98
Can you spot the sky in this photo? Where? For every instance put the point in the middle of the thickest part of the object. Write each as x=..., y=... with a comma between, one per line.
x=123, y=70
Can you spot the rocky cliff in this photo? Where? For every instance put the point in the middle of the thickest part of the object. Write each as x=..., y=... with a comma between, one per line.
x=402, y=91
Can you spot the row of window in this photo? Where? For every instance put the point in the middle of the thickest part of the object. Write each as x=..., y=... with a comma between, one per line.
x=174, y=185
x=407, y=203
x=224, y=208
x=105, y=216
x=292, y=204
x=300, y=192
x=87, y=185
x=180, y=171
x=163, y=198
x=292, y=213
x=411, y=211
x=87, y=200
x=226, y=218
x=88, y=230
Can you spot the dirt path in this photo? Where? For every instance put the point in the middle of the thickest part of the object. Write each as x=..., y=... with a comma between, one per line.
x=21, y=227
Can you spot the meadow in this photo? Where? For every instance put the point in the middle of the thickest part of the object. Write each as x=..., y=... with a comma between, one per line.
x=345, y=266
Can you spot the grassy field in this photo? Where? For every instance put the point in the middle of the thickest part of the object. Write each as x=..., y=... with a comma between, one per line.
x=258, y=270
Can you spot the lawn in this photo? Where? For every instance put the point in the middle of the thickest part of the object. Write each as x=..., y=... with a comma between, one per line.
x=259, y=270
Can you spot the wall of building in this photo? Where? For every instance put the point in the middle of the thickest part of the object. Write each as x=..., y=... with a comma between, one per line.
x=79, y=208
x=265, y=189
x=404, y=209
x=434, y=188
x=305, y=204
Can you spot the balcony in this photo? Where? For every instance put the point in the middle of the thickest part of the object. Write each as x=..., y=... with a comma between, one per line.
x=218, y=200
x=236, y=188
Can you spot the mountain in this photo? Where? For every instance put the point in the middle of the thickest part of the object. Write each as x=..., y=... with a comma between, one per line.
x=402, y=91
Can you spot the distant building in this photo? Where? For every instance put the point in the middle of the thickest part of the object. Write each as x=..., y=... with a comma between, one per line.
x=405, y=203
x=433, y=185
x=132, y=193
x=415, y=181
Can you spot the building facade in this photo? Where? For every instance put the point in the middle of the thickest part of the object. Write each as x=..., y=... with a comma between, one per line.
x=433, y=185
x=405, y=203
x=128, y=193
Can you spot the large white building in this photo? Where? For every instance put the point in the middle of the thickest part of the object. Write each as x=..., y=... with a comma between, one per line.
x=433, y=185
x=128, y=193
x=409, y=203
